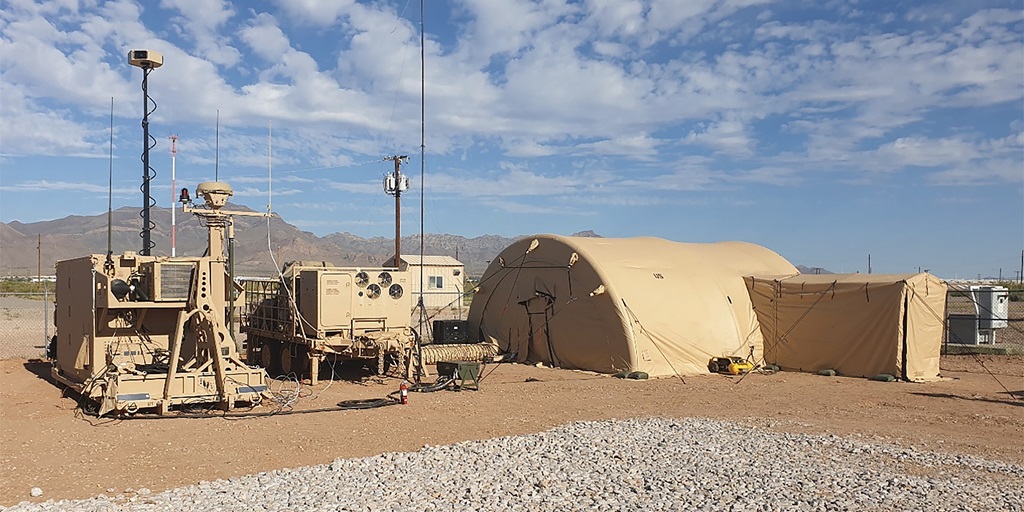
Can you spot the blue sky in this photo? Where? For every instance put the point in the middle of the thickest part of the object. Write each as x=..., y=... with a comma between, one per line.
x=825, y=131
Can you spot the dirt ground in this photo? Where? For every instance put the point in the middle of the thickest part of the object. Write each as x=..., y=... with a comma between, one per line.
x=44, y=443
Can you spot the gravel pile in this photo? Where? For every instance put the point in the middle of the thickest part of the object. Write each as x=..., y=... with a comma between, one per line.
x=639, y=464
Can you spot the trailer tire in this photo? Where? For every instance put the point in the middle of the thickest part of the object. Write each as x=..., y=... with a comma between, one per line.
x=269, y=357
x=301, y=361
x=286, y=358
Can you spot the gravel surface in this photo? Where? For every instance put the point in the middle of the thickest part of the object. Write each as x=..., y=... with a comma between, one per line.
x=640, y=464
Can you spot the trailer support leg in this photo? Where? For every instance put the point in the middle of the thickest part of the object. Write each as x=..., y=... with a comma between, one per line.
x=314, y=369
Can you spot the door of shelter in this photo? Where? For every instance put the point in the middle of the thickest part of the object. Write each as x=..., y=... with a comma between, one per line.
x=539, y=310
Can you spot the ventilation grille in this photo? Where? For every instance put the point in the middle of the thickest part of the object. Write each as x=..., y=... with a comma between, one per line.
x=174, y=281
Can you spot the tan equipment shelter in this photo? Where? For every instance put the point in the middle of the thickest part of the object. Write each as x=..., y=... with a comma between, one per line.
x=856, y=324
x=611, y=305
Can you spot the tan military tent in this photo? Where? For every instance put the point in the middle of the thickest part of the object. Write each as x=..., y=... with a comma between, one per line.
x=856, y=324
x=610, y=305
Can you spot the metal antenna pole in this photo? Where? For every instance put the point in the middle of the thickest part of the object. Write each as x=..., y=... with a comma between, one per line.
x=216, y=156
x=423, y=166
x=147, y=242
x=398, y=214
x=174, y=191
x=108, y=265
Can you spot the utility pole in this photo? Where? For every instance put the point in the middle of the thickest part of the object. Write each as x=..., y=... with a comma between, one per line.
x=39, y=258
x=1021, y=278
x=869, y=263
x=394, y=184
x=174, y=193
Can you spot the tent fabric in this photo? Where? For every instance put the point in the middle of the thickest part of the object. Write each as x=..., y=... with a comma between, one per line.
x=856, y=324
x=610, y=305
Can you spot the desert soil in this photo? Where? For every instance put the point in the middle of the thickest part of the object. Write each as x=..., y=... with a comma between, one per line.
x=45, y=443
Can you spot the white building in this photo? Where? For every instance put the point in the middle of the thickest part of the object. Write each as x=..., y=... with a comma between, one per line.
x=443, y=280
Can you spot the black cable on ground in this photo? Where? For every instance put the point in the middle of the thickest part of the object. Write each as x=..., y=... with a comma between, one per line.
x=393, y=398
x=436, y=386
x=367, y=403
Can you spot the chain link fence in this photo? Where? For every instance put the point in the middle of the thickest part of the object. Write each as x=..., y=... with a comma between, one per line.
x=26, y=323
x=971, y=330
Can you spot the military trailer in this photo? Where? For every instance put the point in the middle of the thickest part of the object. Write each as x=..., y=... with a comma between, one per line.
x=137, y=332
x=315, y=311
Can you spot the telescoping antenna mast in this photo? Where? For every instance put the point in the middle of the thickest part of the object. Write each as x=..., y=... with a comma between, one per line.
x=174, y=191
x=147, y=60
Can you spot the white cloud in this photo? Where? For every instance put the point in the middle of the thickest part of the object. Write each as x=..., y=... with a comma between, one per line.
x=923, y=152
x=987, y=172
x=356, y=188
x=317, y=12
x=779, y=176
x=508, y=27
x=685, y=178
x=28, y=129
x=639, y=147
x=542, y=207
x=256, y=192
x=51, y=186
x=201, y=20
x=543, y=79
x=263, y=35
x=615, y=17
x=514, y=182
x=727, y=136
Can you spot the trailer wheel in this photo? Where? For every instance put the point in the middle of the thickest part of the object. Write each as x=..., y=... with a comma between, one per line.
x=301, y=362
x=269, y=356
x=286, y=359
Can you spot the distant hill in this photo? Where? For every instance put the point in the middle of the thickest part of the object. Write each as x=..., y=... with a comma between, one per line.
x=75, y=236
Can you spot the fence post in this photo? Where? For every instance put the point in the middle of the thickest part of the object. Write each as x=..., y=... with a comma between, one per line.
x=46, y=321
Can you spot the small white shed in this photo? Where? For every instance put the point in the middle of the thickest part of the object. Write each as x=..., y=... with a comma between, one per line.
x=443, y=281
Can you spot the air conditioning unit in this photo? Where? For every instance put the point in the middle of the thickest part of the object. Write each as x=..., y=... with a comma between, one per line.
x=168, y=281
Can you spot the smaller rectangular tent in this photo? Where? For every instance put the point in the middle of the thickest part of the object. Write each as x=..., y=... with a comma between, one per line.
x=856, y=324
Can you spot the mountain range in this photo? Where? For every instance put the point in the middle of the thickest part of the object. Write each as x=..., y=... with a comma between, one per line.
x=27, y=248
x=75, y=236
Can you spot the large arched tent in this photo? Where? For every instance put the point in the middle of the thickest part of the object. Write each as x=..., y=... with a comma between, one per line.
x=611, y=305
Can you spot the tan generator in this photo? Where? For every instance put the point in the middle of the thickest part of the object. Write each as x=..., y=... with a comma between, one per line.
x=315, y=310
x=137, y=332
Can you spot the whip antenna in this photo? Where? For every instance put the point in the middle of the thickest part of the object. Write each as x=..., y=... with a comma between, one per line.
x=270, y=165
x=109, y=264
x=216, y=156
x=423, y=153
